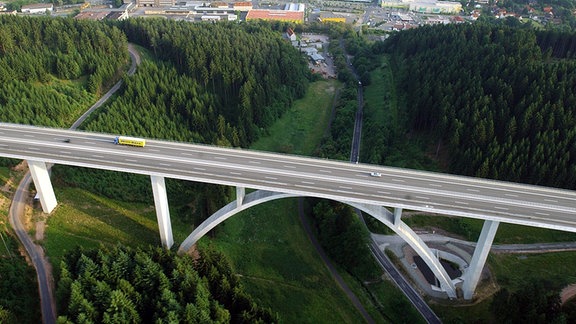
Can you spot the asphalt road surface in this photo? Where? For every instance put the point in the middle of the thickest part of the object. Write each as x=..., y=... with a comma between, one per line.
x=403, y=188
x=409, y=292
x=35, y=252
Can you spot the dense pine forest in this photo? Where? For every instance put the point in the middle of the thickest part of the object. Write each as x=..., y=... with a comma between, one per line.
x=38, y=56
x=219, y=84
x=501, y=99
x=120, y=285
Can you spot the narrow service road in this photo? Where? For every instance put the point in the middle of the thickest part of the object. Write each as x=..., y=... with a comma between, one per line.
x=35, y=252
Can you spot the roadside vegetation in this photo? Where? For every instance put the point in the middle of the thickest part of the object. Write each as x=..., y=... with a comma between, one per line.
x=18, y=289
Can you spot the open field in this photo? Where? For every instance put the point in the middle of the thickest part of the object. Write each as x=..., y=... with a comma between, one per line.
x=299, y=131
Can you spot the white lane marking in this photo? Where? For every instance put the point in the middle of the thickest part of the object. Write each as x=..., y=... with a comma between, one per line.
x=346, y=192
x=420, y=197
x=130, y=160
x=164, y=164
x=461, y=202
x=275, y=182
x=28, y=135
x=344, y=187
x=435, y=185
x=302, y=186
x=271, y=178
x=501, y=208
x=235, y=173
x=551, y=200
x=308, y=182
x=64, y=152
x=325, y=171
x=254, y=162
x=187, y=154
x=510, y=195
x=199, y=169
x=543, y=214
x=90, y=142
x=220, y=158
x=473, y=190
x=289, y=166
x=398, y=180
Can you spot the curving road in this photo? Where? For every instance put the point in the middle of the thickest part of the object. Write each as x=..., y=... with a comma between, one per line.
x=36, y=253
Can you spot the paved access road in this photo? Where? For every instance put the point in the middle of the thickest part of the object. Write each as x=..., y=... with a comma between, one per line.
x=35, y=252
x=410, y=293
x=408, y=189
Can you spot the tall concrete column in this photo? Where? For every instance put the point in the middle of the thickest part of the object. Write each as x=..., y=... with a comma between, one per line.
x=479, y=258
x=240, y=193
x=397, y=215
x=43, y=185
x=162, y=211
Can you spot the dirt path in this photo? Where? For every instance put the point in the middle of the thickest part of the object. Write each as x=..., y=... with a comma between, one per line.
x=355, y=301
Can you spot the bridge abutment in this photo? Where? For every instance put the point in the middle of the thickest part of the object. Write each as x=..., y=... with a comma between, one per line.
x=43, y=185
x=162, y=211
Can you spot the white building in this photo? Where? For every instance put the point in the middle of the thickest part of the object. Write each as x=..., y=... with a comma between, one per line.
x=37, y=8
x=436, y=7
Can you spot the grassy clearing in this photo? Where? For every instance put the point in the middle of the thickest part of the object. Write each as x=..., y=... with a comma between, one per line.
x=381, y=78
x=299, y=131
x=267, y=245
x=278, y=266
x=476, y=313
x=88, y=220
x=513, y=271
x=394, y=304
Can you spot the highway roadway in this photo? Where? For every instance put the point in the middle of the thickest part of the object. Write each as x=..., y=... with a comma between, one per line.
x=403, y=188
x=410, y=293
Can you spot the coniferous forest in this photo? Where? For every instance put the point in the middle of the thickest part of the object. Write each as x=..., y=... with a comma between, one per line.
x=212, y=83
x=38, y=56
x=501, y=99
x=120, y=285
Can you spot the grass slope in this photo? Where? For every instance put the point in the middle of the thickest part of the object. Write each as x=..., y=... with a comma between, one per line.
x=267, y=244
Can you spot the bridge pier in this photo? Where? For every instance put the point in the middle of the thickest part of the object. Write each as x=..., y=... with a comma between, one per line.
x=394, y=222
x=397, y=215
x=240, y=193
x=43, y=185
x=483, y=246
x=162, y=211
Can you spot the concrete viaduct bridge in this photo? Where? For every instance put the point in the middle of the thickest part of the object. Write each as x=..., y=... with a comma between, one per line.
x=381, y=192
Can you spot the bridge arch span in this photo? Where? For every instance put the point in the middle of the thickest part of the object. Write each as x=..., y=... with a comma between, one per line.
x=380, y=213
x=252, y=199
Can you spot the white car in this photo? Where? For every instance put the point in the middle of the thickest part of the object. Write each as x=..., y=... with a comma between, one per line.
x=375, y=174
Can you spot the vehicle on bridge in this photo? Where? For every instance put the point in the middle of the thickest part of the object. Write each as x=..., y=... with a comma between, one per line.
x=133, y=141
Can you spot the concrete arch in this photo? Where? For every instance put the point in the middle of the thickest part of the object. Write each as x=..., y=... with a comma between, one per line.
x=252, y=199
x=405, y=232
x=378, y=212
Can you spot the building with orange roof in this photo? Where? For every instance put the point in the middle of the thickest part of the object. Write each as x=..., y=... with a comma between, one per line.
x=242, y=6
x=281, y=15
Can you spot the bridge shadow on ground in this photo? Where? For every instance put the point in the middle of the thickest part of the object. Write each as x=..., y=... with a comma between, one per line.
x=82, y=214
